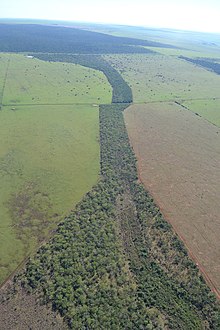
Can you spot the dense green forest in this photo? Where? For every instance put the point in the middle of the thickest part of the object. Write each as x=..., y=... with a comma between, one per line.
x=54, y=39
x=205, y=63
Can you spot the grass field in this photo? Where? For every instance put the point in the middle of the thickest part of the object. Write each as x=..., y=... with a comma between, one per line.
x=4, y=60
x=185, y=40
x=49, y=158
x=208, y=109
x=178, y=160
x=49, y=153
x=31, y=81
x=185, y=52
x=164, y=78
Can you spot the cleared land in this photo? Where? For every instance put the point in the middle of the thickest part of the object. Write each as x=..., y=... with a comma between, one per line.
x=14, y=315
x=49, y=158
x=188, y=51
x=4, y=61
x=164, y=78
x=49, y=153
x=31, y=81
x=203, y=43
x=209, y=110
x=178, y=159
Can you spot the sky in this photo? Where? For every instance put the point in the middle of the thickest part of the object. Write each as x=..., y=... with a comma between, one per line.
x=194, y=15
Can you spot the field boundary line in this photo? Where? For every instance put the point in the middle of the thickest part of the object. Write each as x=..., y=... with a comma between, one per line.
x=178, y=100
x=47, y=104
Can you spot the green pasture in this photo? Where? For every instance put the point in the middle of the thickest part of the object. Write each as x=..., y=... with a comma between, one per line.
x=185, y=52
x=31, y=81
x=156, y=78
x=49, y=158
x=184, y=40
x=208, y=109
x=3, y=70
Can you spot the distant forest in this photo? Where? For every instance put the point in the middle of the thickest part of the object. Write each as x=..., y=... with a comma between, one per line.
x=54, y=39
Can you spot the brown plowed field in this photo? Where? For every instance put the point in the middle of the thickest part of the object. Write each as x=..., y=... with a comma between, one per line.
x=179, y=163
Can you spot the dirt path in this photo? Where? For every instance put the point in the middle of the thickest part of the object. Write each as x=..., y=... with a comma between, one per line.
x=179, y=163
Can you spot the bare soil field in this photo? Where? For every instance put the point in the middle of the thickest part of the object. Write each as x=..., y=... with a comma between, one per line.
x=22, y=311
x=178, y=156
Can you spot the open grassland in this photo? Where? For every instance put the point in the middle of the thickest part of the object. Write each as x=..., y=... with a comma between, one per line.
x=208, y=109
x=185, y=40
x=164, y=78
x=4, y=60
x=49, y=158
x=178, y=159
x=31, y=81
x=49, y=154
x=186, y=52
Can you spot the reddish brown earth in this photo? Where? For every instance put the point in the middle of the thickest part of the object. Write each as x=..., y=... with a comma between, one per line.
x=179, y=163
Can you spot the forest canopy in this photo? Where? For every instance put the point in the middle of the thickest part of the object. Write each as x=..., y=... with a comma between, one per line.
x=40, y=38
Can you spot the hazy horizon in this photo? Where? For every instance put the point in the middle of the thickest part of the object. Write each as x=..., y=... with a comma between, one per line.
x=57, y=21
x=188, y=15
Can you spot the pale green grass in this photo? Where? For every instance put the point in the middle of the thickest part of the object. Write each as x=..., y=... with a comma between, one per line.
x=165, y=78
x=31, y=81
x=189, y=40
x=185, y=52
x=49, y=158
x=208, y=109
x=3, y=70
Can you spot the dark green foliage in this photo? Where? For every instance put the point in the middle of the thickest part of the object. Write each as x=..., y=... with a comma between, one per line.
x=207, y=64
x=81, y=271
x=121, y=91
x=117, y=159
x=54, y=39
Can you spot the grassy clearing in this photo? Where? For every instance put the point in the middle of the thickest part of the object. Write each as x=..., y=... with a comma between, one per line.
x=49, y=158
x=31, y=81
x=165, y=78
x=3, y=69
x=197, y=41
x=185, y=52
x=208, y=109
